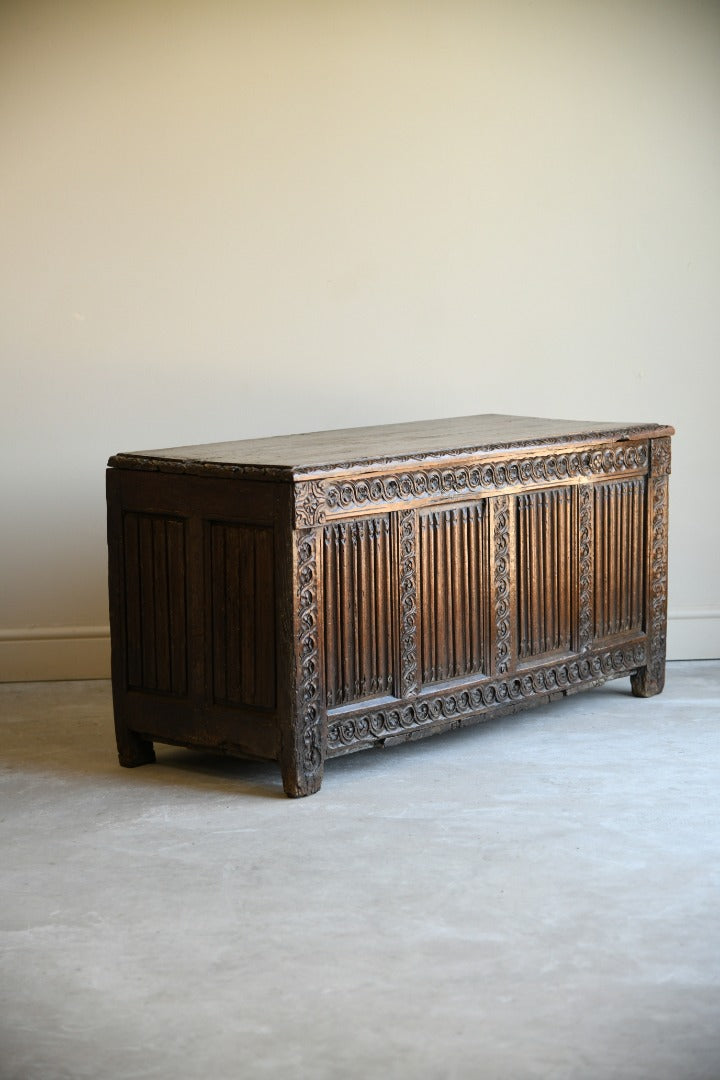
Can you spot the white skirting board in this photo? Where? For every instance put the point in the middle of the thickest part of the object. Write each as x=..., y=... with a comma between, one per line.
x=40, y=654
x=693, y=634
x=45, y=653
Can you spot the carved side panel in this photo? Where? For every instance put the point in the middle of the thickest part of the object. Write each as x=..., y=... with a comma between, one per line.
x=359, y=610
x=453, y=557
x=619, y=589
x=545, y=578
x=156, y=602
x=243, y=614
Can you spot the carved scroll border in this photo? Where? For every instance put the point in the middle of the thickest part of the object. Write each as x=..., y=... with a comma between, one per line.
x=658, y=584
x=407, y=537
x=501, y=583
x=316, y=500
x=586, y=567
x=308, y=688
x=496, y=693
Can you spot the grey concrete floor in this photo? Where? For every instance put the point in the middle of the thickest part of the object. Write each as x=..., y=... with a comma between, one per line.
x=535, y=897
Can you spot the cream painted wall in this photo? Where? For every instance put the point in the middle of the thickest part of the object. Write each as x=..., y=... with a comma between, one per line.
x=222, y=220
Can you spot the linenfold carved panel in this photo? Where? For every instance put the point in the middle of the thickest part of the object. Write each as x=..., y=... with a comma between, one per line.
x=619, y=514
x=544, y=560
x=359, y=610
x=453, y=555
x=155, y=602
x=243, y=614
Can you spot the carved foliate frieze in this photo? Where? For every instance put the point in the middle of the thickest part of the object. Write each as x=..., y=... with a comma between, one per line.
x=308, y=673
x=496, y=693
x=342, y=496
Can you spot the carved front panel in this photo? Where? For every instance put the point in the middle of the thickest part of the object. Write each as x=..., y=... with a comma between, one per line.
x=155, y=602
x=242, y=614
x=360, y=606
x=619, y=563
x=453, y=586
x=544, y=569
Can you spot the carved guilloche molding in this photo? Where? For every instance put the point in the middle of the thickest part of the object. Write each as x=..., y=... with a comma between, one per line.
x=318, y=500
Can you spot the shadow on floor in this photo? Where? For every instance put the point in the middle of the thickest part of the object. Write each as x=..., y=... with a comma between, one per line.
x=67, y=729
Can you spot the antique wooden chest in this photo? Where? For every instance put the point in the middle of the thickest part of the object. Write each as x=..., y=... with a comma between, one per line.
x=300, y=597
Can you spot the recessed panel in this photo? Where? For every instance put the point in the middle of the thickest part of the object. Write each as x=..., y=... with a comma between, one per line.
x=156, y=603
x=359, y=610
x=454, y=604
x=242, y=614
x=545, y=581
x=619, y=561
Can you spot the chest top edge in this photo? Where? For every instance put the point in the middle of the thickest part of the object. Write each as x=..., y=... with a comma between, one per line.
x=318, y=455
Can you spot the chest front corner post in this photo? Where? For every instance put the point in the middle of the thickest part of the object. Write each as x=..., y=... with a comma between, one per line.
x=304, y=734
x=650, y=679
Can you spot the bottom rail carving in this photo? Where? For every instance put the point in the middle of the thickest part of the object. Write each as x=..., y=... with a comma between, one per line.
x=369, y=726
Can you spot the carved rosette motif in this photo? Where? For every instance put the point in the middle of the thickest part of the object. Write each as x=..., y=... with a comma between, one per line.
x=494, y=694
x=309, y=503
x=660, y=457
x=408, y=602
x=585, y=578
x=308, y=684
x=658, y=579
x=501, y=582
x=353, y=494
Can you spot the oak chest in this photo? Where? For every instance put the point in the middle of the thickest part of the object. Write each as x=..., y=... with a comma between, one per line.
x=299, y=597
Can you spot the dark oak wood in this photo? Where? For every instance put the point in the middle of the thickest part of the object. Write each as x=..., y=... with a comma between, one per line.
x=306, y=596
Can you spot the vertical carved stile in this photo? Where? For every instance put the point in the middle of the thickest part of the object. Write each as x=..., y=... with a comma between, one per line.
x=658, y=578
x=311, y=734
x=585, y=573
x=452, y=591
x=407, y=527
x=650, y=680
x=501, y=596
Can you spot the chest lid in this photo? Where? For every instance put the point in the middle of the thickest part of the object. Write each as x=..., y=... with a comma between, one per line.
x=356, y=450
